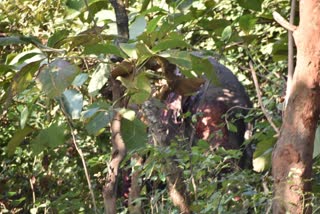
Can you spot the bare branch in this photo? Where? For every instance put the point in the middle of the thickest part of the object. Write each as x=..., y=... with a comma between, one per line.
x=256, y=84
x=284, y=23
x=122, y=20
x=290, y=53
x=80, y=155
x=85, y=168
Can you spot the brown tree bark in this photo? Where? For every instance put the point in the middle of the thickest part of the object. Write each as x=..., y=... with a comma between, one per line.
x=292, y=156
x=118, y=153
x=121, y=19
x=135, y=207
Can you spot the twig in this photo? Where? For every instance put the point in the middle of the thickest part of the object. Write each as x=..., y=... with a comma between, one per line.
x=81, y=156
x=284, y=23
x=31, y=180
x=290, y=53
x=84, y=167
x=256, y=84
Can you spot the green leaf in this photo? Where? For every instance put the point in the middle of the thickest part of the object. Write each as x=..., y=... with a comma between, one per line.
x=56, y=40
x=153, y=23
x=280, y=50
x=24, y=77
x=72, y=102
x=75, y=4
x=137, y=27
x=144, y=89
x=262, y=154
x=80, y=79
x=54, y=78
x=145, y=4
x=170, y=44
x=226, y=33
x=21, y=81
x=247, y=22
x=48, y=138
x=202, y=65
x=5, y=69
x=143, y=52
x=316, y=150
x=24, y=117
x=98, y=79
x=12, y=40
x=129, y=49
x=17, y=138
x=180, y=58
x=134, y=134
x=231, y=127
x=98, y=122
x=98, y=49
x=89, y=113
x=252, y=5
x=215, y=25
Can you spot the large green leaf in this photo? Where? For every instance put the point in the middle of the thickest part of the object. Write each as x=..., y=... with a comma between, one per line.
x=262, y=155
x=215, y=25
x=80, y=79
x=143, y=52
x=98, y=122
x=153, y=23
x=139, y=88
x=134, y=134
x=56, y=40
x=247, y=22
x=137, y=27
x=72, y=102
x=170, y=44
x=202, y=65
x=12, y=40
x=251, y=4
x=21, y=81
x=17, y=138
x=226, y=33
x=75, y=4
x=15, y=40
x=280, y=50
x=54, y=78
x=98, y=79
x=129, y=49
x=316, y=150
x=143, y=89
x=98, y=49
x=48, y=138
x=180, y=58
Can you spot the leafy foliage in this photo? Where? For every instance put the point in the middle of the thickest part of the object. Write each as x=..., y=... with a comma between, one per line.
x=54, y=69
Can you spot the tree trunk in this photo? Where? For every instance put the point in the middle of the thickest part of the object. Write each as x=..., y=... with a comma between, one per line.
x=162, y=137
x=117, y=155
x=109, y=191
x=292, y=156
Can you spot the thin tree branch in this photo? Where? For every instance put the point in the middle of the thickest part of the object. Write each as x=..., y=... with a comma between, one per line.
x=118, y=152
x=256, y=84
x=31, y=181
x=121, y=19
x=74, y=141
x=284, y=23
x=84, y=167
x=290, y=53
